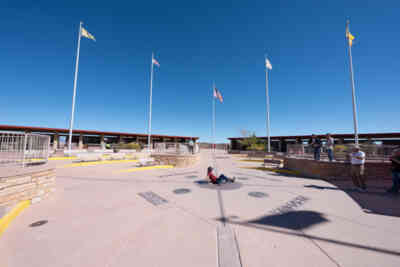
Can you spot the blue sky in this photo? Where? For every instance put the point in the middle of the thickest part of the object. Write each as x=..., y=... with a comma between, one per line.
x=197, y=42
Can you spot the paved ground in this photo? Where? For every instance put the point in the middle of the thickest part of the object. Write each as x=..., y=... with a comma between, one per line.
x=100, y=216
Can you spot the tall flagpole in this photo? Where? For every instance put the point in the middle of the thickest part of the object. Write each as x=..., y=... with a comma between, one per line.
x=213, y=126
x=151, y=100
x=74, y=94
x=267, y=96
x=213, y=132
x=353, y=89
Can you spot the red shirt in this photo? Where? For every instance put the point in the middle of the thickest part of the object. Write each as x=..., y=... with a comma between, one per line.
x=212, y=177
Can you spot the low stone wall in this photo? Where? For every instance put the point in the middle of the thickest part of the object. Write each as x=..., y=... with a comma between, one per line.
x=176, y=160
x=336, y=170
x=251, y=154
x=30, y=185
x=234, y=151
x=258, y=154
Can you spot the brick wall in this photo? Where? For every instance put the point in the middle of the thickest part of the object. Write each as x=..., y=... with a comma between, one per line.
x=176, y=160
x=31, y=185
x=336, y=170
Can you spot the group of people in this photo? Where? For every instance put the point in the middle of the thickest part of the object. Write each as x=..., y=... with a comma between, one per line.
x=316, y=144
x=357, y=160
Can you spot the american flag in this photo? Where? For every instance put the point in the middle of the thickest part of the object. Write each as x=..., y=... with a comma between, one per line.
x=218, y=95
x=155, y=62
x=268, y=64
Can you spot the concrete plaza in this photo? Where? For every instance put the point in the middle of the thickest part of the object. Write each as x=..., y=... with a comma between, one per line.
x=108, y=215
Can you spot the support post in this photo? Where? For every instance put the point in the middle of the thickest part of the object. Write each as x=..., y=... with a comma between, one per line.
x=56, y=139
x=80, y=144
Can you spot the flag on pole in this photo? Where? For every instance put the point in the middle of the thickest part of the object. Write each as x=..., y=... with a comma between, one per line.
x=218, y=95
x=268, y=64
x=86, y=34
x=155, y=62
x=349, y=36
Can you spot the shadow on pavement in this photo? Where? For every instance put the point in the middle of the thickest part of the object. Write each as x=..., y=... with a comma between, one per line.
x=223, y=186
x=294, y=220
x=321, y=187
x=257, y=176
x=375, y=200
x=305, y=219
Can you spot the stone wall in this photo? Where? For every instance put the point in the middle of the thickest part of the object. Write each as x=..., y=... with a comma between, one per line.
x=336, y=170
x=258, y=154
x=176, y=160
x=30, y=185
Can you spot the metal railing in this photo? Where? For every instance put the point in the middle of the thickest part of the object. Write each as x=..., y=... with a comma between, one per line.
x=175, y=148
x=19, y=149
x=372, y=152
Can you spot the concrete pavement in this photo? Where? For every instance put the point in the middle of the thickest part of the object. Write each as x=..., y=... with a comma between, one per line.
x=97, y=218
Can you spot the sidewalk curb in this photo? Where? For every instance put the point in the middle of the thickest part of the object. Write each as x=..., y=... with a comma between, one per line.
x=12, y=214
x=146, y=168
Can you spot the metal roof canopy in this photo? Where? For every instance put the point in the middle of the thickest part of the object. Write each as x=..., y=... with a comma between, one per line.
x=88, y=132
x=345, y=136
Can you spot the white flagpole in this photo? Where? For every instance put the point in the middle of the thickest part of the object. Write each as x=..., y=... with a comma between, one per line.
x=74, y=94
x=213, y=97
x=353, y=90
x=213, y=131
x=151, y=101
x=267, y=100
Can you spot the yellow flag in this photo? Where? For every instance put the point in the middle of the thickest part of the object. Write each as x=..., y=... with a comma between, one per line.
x=350, y=37
x=86, y=34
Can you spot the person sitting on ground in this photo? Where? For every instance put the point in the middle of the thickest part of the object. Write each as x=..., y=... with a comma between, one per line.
x=221, y=179
x=395, y=159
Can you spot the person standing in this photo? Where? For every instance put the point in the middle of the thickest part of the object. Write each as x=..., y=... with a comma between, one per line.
x=357, y=158
x=395, y=159
x=316, y=145
x=191, y=147
x=329, y=146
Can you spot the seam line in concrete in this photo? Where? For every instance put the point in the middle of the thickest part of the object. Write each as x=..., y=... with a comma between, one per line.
x=218, y=245
x=321, y=249
x=238, y=249
x=191, y=213
x=221, y=207
x=228, y=251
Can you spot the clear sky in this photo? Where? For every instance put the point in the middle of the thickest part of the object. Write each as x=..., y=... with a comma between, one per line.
x=197, y=42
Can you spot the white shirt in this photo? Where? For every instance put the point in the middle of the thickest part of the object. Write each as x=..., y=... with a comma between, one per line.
x=329, y=143
x=355, y=161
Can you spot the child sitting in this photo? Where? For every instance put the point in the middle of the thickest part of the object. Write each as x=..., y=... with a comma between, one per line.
x=220, y=179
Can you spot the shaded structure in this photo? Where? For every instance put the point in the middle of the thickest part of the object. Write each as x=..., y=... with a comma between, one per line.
x=279, y=143
x=91, y=138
